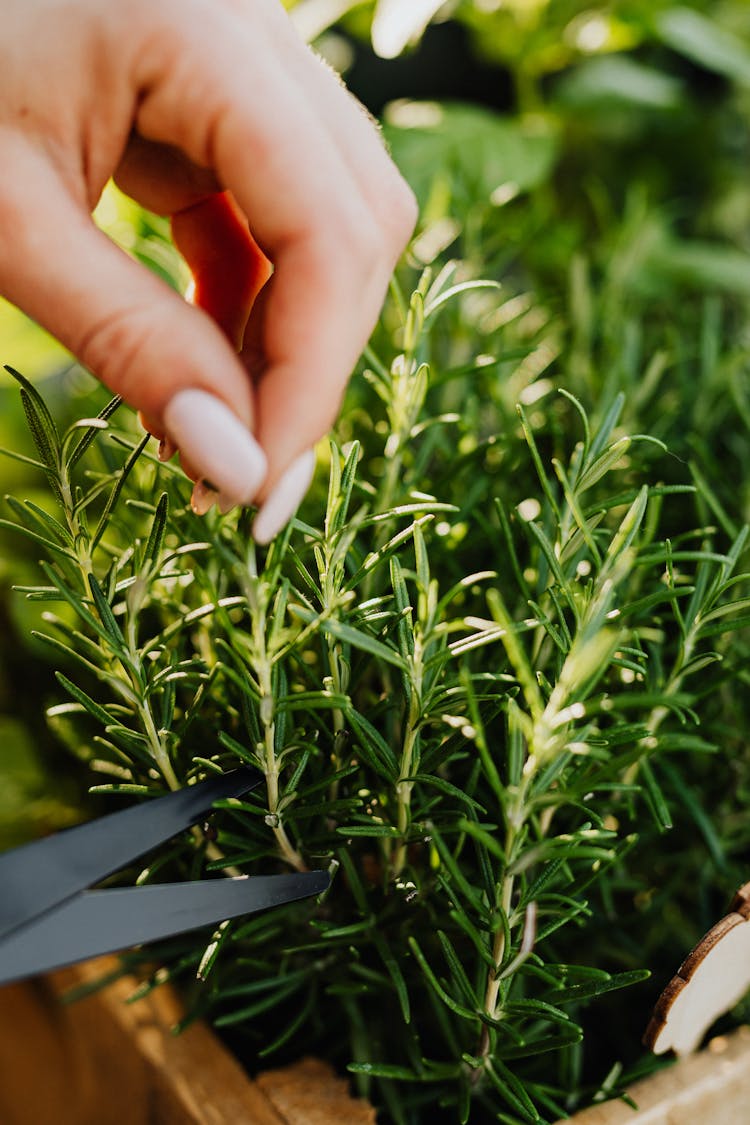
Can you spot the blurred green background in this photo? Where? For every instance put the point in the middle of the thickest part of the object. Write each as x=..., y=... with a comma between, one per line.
x=592, y=157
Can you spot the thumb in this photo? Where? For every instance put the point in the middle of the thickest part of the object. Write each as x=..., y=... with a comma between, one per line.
x=165, y=358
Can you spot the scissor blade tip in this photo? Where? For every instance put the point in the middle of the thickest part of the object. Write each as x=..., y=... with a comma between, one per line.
x=309, y=883
x=319, y=880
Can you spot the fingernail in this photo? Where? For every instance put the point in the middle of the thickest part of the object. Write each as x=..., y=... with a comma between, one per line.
x=224, y=504
x=214, y=440
x=167, y=449
x=285, y=498
x=203, y=497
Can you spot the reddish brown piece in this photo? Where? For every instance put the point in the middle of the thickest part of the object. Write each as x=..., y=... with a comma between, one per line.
x=228, y=267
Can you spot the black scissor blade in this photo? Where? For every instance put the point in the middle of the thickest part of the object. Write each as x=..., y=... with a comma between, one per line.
x=96, y=922
x=43, y=874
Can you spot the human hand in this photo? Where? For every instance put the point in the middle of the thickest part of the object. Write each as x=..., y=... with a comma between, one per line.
x=215, y=113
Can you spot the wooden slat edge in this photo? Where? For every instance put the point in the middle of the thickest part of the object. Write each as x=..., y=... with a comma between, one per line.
x=310, y=1093
x=123, y=1066
x=187, y=1079
x=712, y=1085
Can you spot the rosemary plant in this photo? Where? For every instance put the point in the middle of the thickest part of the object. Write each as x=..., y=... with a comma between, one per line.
x=459, y=670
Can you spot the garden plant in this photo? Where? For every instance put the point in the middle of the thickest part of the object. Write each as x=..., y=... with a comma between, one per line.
x=494, y=672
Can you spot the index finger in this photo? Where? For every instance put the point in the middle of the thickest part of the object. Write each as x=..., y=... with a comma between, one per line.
x=332, y=258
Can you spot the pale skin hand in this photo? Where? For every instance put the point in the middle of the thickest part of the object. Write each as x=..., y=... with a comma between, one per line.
x=179, y=100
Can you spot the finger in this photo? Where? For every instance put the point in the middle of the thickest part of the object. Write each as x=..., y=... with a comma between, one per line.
x=227, y=266
x=127, y=326
x=350, y=126
x=228, y=269
x=161, y=178
x=332, y=259
x=309, y=353
x=208, y=229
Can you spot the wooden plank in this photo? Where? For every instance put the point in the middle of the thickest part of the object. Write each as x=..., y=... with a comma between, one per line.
x=42, y=1068
x=712, y=1086
x=309, y=1093
x=102, y=1061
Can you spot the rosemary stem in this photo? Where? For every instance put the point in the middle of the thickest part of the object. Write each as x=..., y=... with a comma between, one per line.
x=493, y=982
x=158, y=749
x=339, y=725
x=403, y=798
x=271, y=765
x=408, y=759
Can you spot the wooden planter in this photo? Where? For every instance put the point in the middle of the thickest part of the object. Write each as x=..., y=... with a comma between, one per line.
x=101, y=1061
x=711, y=1087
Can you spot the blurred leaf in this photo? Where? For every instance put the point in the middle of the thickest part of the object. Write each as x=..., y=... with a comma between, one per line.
x=313, y=17
x=396, y=24
x=485, y=151
x=28, y=806
x=703, y=265
x=596, y=83
x=703, y=41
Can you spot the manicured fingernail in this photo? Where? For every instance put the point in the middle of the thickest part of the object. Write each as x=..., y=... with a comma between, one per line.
x=216, y=443
x=285, y=498
x=224, y=504
x=203, y=497
x=167, y=449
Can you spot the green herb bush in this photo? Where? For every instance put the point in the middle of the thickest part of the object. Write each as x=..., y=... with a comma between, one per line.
x=494, y=673
x=458, y=670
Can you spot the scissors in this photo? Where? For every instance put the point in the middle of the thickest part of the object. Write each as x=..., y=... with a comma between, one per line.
x=49, y=917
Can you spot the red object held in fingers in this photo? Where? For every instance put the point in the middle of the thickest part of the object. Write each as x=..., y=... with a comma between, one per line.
x=228, y=267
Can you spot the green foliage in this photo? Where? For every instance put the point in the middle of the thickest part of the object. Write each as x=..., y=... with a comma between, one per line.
x=27, y=808
x=480, y=153
x=459, y=671
x=490, y=673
